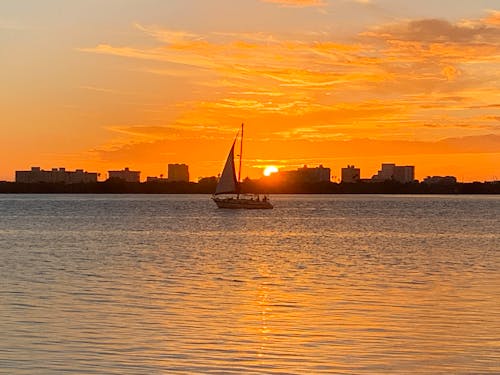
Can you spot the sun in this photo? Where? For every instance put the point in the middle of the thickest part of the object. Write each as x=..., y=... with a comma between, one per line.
x=269, y=170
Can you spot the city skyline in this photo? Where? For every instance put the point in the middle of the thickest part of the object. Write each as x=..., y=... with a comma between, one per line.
x=389, y=179
x=334, y=82
x=180, y=173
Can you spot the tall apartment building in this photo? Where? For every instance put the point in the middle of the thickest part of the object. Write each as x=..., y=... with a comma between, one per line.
x=178, y=172
x=395, y=172
x=350, y=174
x=404, y=174
x=125, y=175
x=385, y=173
x=55, y=176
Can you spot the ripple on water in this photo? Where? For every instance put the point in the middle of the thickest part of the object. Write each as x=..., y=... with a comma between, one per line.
x=321, y=284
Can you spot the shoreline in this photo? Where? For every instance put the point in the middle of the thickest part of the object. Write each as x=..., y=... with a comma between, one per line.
x=387, y=187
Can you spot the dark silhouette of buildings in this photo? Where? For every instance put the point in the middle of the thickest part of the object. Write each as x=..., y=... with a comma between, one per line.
x=351, y=174
x=207, y=186
x=55, y=176
x=391, y=179
x=156, y=179
x=178, y=172
x=440, y=180
x=125, y=175
x=393, y=172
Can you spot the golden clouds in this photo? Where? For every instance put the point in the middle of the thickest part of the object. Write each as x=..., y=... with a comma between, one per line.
x=307, y=63
x=283, y=76
x=414, y=79
x=258, y=63
x=493, y=18
x=439, y=31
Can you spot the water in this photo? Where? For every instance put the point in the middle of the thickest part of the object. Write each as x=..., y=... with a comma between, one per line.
x=321, y=284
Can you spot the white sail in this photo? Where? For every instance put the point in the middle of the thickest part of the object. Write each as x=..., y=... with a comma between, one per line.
x=227, y=182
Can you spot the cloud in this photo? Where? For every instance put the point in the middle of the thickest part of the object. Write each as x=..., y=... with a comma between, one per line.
x=173, y=132
x=279, y=148
x=493, y=18
x=105, y=90
x=412, y=79
x=439, y=31
x=493, y=106
x=239, y=57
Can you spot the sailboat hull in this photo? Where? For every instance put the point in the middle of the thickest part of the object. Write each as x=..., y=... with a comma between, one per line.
x=242, y=203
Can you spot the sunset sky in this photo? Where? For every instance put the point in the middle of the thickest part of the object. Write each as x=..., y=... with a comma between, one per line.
x=103, y=85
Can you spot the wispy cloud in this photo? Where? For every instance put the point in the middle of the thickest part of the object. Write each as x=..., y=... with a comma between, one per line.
x=412, y=78
x=98, y=89
x=307, y=150
x=493, y=18
x=440, y=31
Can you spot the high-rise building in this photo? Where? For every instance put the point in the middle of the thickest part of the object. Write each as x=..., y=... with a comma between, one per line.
x=178, y=172
x=389, y=171
x=55, y=176
x=125, y=175
x=404, y=174
x=351, y=174
x=385, y=173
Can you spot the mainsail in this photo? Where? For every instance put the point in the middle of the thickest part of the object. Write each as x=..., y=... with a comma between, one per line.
x=228, y=183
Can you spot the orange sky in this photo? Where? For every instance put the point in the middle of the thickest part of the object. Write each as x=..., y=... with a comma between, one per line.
x=333, y=82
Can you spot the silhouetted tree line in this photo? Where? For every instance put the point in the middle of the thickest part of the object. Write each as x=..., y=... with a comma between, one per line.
x=207, y=186
x=386, y=187
x=111, y=187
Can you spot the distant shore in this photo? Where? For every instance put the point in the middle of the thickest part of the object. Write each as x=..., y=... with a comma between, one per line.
x=121, y=187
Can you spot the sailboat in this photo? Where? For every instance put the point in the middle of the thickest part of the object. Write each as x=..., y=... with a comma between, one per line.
x=230, y=185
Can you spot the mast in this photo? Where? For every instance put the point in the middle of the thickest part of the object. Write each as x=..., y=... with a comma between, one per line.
x=241, y=156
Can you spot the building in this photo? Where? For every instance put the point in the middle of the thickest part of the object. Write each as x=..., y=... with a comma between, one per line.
x=55, y=176
x=305, y=175
x=385, y=173
x=404, y=174
x=440, y=180
x=393, y=172
x=178, y=172
x=125, y=175
x=350, y=174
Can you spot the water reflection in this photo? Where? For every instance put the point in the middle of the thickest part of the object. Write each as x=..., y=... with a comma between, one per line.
x=164, y=284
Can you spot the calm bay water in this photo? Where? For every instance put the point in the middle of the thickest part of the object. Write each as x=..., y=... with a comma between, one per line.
x=321, y=284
